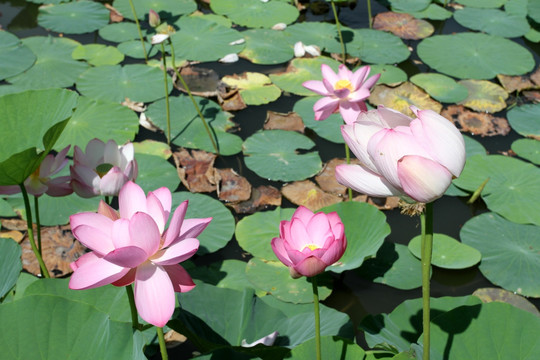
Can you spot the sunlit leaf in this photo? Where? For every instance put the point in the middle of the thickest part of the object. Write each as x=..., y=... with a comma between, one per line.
x=76, y=17
x=14, y=56
x=402, y=97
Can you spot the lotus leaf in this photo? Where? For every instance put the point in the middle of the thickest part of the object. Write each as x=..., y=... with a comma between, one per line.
x=409, y=5
x=255, y=13
x=97, y=54
x=14, y=56
x=377, y=47
x=525, y=120
x=483, y=3
x=448, y=253
x=484, y=96
x=76, y=17
x=166, y=8
x=432, y=12
x=255, y=88
x=493, y=21
x=528, y=149
x=120, y=32
x=329, y=128
x=390, y=74
x=266, y=47
x=10, y=264
x=442, y=88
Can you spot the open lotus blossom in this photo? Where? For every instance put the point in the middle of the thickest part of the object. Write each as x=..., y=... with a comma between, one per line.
x=310, y=242
x=103, y=169
x=40, y=181
x=401, y=156
x=132, y=246
x=344, y=91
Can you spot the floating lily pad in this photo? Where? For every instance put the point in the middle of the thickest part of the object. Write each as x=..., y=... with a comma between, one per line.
x=267, y=47
x=528, y=149
x=14, y=56
x=448, y=253
x=432, y=12
x=509, y=252
x=255, y=13
x=321, y=34
x=474, y=56
x=120, y=32
x=203, y=40
x=255, y=88
x=442, y=88
x=76, y=17
x=229, y=274
x=153, y=147
x=533, y=35
x=533, y=9
x=516, y=7
x=299, y=71
x=155, y=172
x=485, y=4
x=472, y=147
x=409, y=5
x=493, y=21
x=170, y=8
x=221, y=20
x=329, y=129
x=220, y=230
x=488, y=295
x=54, y=66
x=390, y=74
x=10, y=264
x=513, y=189
x=394, y=266
x=188, y=130
x=403, y=25
x=484, y=96
x=489, y=331
x=331, y=347
x=273, y=155
x=402, y=97
x=116, y=83
x=377, y=47
x=98, y=54
x=133, y=48
x=525, y=120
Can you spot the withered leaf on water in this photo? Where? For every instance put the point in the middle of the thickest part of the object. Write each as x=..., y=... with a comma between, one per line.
x=261, y=197
x=308, y=194
x=289, y=121
x=476, y=123
x=402, y=97
x=196, y=170
x=326, y=179
x=233, y=187
x=201, y=82
x=515, y=83
x=403, y=25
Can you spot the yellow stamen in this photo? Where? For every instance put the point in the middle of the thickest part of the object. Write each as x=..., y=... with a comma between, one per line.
x=311, y=247
x=343, y=84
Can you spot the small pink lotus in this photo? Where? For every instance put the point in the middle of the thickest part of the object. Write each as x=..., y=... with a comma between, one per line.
x=40, y=182
x=132, y=246
x=104, y=169
x=309, y=243
x=401, y=156
x=344, y=91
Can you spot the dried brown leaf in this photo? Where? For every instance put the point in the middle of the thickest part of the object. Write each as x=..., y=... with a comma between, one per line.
x=308, y=194
x=233, y=187
x=261, y=197
x=201, y=82
x=196, y=170
x=290, y=121
x=515, y=83
x=115, y=15
x=326, y=179
x=482, y=124
x=403, y=25
x=532, y=95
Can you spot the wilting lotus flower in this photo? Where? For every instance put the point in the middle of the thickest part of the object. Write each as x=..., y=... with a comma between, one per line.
x=133, y=246
x=40, y=182
x=104, y=169
x=310, y=242
x=344, y=91
x=401, y=156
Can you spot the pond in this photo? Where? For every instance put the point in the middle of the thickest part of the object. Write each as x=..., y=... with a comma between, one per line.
x=474, y=62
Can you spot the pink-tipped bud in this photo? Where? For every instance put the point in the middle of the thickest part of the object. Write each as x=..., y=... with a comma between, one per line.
x=153, y=19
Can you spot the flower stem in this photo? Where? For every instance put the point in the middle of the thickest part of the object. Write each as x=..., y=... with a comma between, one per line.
x=38, y=225
x=370, y=17
x=317, y=317
x=134, y=316
x=29, y=223
x=427, y=245
x=139, y=29
x=162, y=346
x=166, y=94
x=192, y=98
x=338, y=26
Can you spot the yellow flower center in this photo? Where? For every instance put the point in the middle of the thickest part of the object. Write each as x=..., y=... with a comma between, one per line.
x=343, y=84
x=311, y=247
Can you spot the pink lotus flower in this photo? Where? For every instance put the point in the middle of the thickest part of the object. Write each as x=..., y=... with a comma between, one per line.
x=345, y=91
x=104, y=169
x=310, y=242
x=401, y=156
x=40, y=182
x=133, y=246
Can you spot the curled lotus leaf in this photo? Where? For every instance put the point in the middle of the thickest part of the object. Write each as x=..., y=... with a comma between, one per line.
x=484, y=96
x=402, y=97
x=308, y=194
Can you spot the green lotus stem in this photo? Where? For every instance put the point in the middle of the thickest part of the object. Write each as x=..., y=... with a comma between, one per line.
x=139, y=29
x=338, y=26
x=38, y=224
x=477, y=192
x=317, y=317
x=427, y=246
x=348, y=157
x=29, y=223
x=370, y=16
x=445, y=1
x=166, y=94
x=192, y=98
x=162, y=347
x=134, y=316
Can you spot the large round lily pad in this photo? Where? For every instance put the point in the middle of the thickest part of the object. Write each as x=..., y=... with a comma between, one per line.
x=321, y=34
x=120, y=32
x=513, y=189
x=448, y=253
x=254, y=88
x=273, y=155
x=484, y=96
x=409, y=5
x=483, y=4
x=509, y=252
x=442, y=88
x=432, y=12
x=155, y=172
x=267, y=47
x=525, y=120
x=331, y=347
x=116, y=83
x=98, y=54
x=390, y=74
x=14, y=56
x=255, y=13
x=76, y=17
x=166, y=8
x=329, y=128
x=475, y=56
x=493, y=21
x=377, y=47
x=528, y=149
x=134, y=49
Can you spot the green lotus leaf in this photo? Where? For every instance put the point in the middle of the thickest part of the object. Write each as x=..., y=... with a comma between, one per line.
x=493, y=21
x=377, y=47
x=98, y=54
x=229, y=274
x=390, y=74
x=116, y=83
x=14, y=56
x=509, y=252
x=321, y=34
x=165, y=8
x=474, y=56
x=409, y=5
x=155, y=172
x=267, y=47
x=254, y=88
x=472, y=147
x=484, y=96
x=76, y=17
x=188, y=130
x=202, y=40
x=448, y=253
x=442, y=88
x=432, y=12
x=47, y=1
x=255, y=13
x=329, y=128
x=533, y=35
x=485, y=4
x=273, y=155
x=331, y=347
x=218, y=19
x=516, y=7
x=525, y=120
x=133, y=48
x=512, y=190
x=5, y=209
x=54, y=66
x=10, y=264
x=301, y=70
x=528, y=149
x=153, y=147
x=533, y=8
x=120, y=32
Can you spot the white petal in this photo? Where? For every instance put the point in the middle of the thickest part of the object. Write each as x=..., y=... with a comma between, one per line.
x=230, y=58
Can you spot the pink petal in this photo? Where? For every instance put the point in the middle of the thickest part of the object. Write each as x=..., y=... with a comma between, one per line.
x=342, y=93
x=82, y=189
x=369, y=83
x=112, y=182
x=344, y=72
x=111, y=154
x=34, y=186
x=310, y=266
x=46, y=165
x=329, y=74
x=360, y=76
x=422, y=179
x=326, y=103
x=85, y=181
x=9, y=189
x=349, y=111
x=333, y=253
x=180, y=278
x=59, y=186
x=279, y=249
x=155, y=210
x=93, y=153
x=324, y=114
x=191, y=228
x=89, y=256
x=176, y=253
x=92, y=219
x=359, y=95
x=391, y=118
x=120, y=233
x=95, y=271
x=319, y=229
x=173, y=231
x=364, y=181
x=316, y=86
x=105, y=210
x=128, y=257
x=165, y=198
x=131, y=199
x=144, y=233
x=338, y=229
x=357, y=137
x=304, y=214
x=94, y=239
x=60, y=161
x=154, y=294
x=127, y=279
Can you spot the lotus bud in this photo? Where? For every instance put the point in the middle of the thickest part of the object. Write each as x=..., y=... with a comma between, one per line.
x=153, y=19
